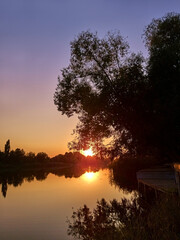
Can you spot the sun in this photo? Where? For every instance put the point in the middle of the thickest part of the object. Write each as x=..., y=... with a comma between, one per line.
x=87, y=152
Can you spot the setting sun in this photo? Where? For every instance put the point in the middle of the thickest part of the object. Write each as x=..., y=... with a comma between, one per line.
x=87, y=152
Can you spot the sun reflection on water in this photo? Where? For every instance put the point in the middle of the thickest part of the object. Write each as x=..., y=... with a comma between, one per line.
x=90, y=176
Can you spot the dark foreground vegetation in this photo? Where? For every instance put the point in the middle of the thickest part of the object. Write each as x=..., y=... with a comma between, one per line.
x=127, y=220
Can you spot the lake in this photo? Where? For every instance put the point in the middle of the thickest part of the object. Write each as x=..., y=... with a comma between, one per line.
x=32, y=209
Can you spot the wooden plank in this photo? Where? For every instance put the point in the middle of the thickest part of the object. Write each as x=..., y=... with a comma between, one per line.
x=161, y=179
x=177, y=167
x=161, y=185
x=155, y=175
x=177, y=175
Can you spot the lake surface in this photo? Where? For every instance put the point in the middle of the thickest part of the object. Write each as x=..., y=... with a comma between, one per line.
x=34, y=209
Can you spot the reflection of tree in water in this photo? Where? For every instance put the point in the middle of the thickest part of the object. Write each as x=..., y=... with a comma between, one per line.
x=106, y=221
x=4, y=188
x=68, y=172
x=17, y=177
x=10, y=178
x=127, y=220
x=41, y=176
x=74, y=172
x=123, y=180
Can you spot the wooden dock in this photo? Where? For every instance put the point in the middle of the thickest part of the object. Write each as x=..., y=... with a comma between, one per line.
x=177, y=175
x=162, y=179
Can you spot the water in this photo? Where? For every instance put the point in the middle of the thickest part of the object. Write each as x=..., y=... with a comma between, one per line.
x=38, y=209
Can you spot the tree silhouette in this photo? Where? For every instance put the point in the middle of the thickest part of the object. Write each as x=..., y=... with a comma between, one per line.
x=117, y=95
x=7, y=148
x=17, y=156
x=105, y=85
x=42, y=157
x=162, y=38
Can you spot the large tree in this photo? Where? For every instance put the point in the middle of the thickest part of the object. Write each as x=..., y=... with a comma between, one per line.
x=115, y=94
x=103, y=84
x=162, y=38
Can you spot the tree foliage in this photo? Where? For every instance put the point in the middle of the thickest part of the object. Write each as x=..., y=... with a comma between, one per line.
x=101, y=84
x=116, y=95
x=17, y=155
x=42, y=157
x=163, y=41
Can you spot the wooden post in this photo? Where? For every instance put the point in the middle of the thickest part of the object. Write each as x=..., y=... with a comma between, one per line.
x=156, y=195
x=178, y=182
x=145, y=196
x=138, y=186
x=177, y=176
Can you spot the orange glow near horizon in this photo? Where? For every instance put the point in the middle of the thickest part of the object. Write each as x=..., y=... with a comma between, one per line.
x=87, y=152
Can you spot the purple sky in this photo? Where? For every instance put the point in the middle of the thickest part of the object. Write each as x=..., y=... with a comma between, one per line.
x=34, y=46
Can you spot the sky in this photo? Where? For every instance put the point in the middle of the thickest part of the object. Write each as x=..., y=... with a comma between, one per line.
x=35, y=41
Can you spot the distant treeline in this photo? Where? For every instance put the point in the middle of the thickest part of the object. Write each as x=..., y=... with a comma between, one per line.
x=18, y=158
x=16, y=166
